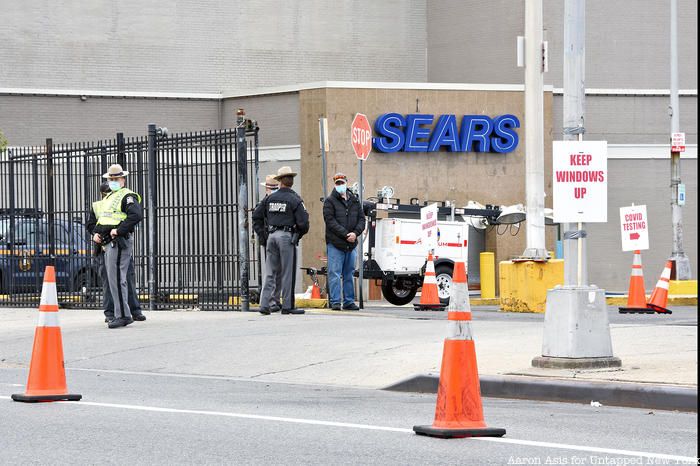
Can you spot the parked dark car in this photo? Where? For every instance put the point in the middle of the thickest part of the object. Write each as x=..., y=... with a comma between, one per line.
x=24, y=255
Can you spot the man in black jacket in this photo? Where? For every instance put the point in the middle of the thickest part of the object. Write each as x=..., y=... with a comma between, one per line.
x=345, y=222
x=108, y=302
x=121, y=212
x=271, y=186
x=287, y=221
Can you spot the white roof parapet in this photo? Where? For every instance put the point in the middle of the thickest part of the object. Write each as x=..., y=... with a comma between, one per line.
x=377, y=85
x=292, y=88
x=649, y=151
x=635, y=92
x=110, y=94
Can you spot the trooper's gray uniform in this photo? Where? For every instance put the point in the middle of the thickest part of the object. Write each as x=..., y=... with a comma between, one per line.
x=122, y=213
x=287, y=221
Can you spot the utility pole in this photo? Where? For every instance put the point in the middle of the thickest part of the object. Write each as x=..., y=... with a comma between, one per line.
x=534, y=131
x=681, y=260
x=243, y=235
x=576, y=326
x=574, y=77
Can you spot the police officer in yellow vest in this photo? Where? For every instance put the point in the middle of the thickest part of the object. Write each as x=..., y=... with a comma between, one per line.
x=121, y=212
x=108, y=302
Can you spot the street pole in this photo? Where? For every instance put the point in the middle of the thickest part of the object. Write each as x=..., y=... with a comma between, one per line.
x=575, y=270
x=243, y=235
x=151, y=205
x=323, y=132
x=576, y=324
x=534, y=132
x=681, y=260
x=360, y=239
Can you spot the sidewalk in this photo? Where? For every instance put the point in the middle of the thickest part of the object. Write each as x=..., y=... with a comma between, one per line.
x=373, y=348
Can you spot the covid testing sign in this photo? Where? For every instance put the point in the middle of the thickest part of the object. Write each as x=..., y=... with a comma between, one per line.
x=634, y=228
x=580, y=181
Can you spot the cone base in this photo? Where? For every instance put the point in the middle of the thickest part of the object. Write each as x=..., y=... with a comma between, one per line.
x=441, y=432
x=429, y=307
x=659, y=309
x=636, y=310
x=40, y=398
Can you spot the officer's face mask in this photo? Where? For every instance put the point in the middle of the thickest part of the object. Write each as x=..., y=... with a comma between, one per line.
x=115, y=185
x=341, y=188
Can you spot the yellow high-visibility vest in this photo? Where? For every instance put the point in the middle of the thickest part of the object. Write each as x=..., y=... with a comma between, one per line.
x=111, y=207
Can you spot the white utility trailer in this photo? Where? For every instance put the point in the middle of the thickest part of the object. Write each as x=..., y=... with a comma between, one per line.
x=395, y=254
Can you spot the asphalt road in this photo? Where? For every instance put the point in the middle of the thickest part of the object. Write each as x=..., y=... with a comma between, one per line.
x=129, y=418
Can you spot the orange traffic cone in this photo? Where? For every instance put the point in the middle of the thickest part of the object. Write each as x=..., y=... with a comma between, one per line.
x=636, y=297
x=458, y=412
x=659, y=297
x=315, y=291
x=47, y=376
x=429, y=298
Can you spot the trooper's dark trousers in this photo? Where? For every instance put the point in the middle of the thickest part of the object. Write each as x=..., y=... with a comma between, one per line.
x=108, y=302
x=117, y=260
x=280, y=267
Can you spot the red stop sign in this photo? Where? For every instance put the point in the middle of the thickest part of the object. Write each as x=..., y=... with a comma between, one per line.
x=361, y=136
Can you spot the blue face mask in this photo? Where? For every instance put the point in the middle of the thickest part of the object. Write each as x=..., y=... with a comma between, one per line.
x=341, y=188
x=115, y=186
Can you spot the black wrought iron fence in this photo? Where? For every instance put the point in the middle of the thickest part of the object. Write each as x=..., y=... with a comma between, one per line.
x=193, y=248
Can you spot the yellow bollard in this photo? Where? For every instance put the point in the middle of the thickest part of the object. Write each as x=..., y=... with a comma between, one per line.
x=487, y=268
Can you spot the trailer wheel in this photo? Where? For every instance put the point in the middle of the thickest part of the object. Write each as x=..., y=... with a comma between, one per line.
x=443, y=276
x=397, y=294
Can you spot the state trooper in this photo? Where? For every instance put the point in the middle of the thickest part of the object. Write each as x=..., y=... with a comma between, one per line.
x=271, y=185
x=121, y=212
x=108, y=302
x=287, y=221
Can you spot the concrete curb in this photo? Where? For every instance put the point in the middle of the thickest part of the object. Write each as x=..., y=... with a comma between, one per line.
x=673, y=300
x=632, y=395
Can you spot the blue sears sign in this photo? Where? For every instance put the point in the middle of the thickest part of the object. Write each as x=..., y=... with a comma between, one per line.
x=477, y=133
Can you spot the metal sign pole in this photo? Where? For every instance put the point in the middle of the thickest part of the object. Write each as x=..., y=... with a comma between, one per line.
x=243, y=236
x=361, y=239
x=322, y=126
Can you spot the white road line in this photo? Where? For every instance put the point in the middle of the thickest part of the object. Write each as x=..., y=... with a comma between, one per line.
x=562, y=446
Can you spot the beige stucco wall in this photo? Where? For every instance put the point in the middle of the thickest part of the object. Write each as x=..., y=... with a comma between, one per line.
x=489, y=178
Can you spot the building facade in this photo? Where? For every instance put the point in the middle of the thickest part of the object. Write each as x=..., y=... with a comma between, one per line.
x=76, y=71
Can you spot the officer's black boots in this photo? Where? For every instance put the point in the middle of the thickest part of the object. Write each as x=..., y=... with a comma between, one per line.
x=120, y=322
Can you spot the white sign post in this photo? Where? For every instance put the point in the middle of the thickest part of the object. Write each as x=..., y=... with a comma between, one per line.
x=580, y=181
x=429, y=226
x=634, y=228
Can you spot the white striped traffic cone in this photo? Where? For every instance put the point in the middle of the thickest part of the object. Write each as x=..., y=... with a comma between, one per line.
x=636, y=296
x=429, y=298
x=659, y=297
x=458, y=411
x=47, y=376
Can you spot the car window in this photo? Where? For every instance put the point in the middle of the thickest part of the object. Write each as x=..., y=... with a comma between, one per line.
x=26, y=233
x=4, y=230
x=61, y=236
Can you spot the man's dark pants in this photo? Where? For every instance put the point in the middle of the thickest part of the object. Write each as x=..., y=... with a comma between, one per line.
x=108, y=307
